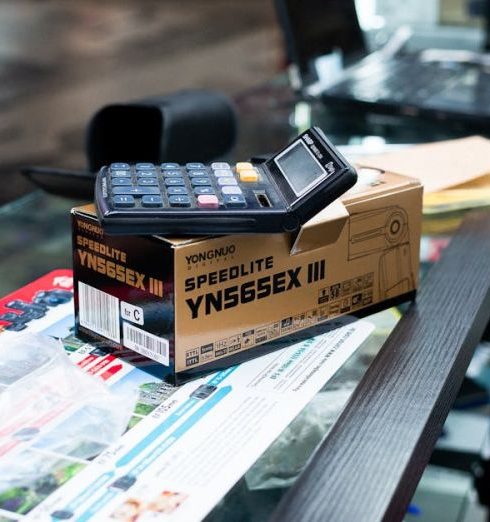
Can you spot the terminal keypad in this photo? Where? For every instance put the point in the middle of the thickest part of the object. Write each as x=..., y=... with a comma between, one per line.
x=193, y=185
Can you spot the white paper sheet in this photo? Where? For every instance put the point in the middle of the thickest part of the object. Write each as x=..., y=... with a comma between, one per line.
x=183, y=458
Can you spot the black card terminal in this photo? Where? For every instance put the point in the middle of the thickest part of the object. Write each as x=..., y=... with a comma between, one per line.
x=277, y=195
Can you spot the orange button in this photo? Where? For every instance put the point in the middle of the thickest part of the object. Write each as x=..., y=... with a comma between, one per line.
x=249, y=176
x=243, y=165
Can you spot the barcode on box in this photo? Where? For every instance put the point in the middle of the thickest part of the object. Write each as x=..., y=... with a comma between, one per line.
x=99, y=312
x=145, y=343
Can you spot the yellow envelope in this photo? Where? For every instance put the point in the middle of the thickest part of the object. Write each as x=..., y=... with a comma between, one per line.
x=455, y=173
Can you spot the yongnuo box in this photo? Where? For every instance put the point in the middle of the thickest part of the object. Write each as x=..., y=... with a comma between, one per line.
x=277, y=195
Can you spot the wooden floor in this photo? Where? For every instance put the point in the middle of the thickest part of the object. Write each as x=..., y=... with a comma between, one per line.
x=61, y=61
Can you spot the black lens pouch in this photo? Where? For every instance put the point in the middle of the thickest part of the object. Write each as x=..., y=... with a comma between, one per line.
x=190, y=125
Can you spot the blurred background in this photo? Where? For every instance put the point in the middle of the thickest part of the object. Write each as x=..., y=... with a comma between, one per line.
x=61, y=61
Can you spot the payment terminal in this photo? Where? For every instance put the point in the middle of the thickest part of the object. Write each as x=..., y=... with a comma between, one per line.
x=277, y=195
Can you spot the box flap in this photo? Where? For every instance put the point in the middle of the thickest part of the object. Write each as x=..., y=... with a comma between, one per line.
x=322, y=229
x=440, y=165
x=325, y=228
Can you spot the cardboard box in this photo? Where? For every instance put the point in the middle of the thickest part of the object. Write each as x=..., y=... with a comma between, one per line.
x=199, y=304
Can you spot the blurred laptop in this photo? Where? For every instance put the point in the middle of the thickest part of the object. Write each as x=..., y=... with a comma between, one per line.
x=323, y=35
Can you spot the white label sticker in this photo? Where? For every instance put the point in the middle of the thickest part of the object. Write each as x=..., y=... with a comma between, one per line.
x=99, y=311
x=132, y=313
x=145, y=343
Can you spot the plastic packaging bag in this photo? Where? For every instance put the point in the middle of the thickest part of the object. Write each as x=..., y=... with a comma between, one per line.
x=52, y=414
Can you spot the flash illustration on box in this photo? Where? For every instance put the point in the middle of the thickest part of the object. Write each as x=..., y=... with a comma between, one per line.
x=384, y=230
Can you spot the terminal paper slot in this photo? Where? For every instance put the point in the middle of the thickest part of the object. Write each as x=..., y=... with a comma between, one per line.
x=263, y=199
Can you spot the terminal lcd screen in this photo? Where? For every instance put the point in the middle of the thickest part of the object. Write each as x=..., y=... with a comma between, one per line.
x=301, y=170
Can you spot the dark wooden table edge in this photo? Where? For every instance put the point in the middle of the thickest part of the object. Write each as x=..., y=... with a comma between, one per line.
x=369, y=466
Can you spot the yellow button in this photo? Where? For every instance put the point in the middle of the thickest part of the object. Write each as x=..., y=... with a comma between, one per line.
x=249, y=176
x=243, y=165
